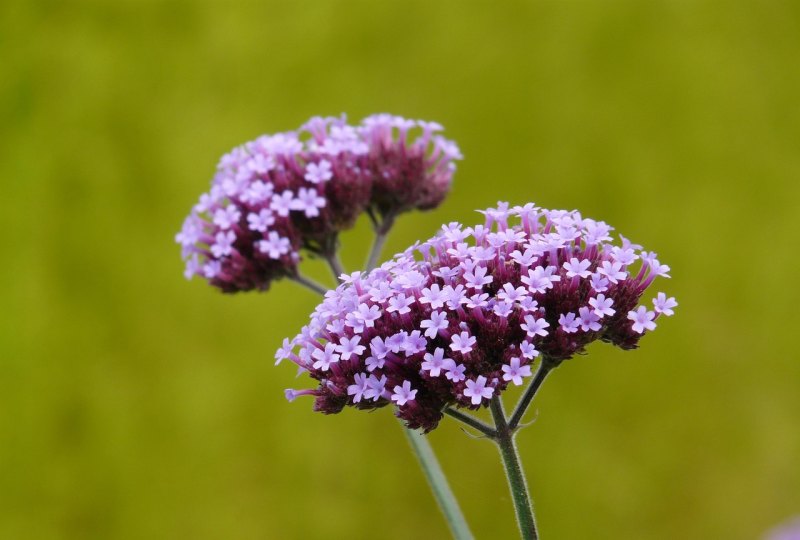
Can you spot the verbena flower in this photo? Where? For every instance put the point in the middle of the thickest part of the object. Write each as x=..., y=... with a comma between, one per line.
x=280, y=194
x=454, y=320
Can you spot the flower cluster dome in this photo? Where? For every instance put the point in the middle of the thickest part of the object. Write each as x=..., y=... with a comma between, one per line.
x=453, y=321
x=283, y=193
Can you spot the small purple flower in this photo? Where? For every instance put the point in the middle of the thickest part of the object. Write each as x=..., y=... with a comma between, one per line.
x=664, y=305
x=436, y=362
x=436, y=322
x=602, y=305
x=642, y=319
x=514, y=372
x=317, y=173
x=568, y=323
x=358, y=387
x=274, y=246
x=477, y=390
x=223, y=244
x=403, y=394
x=349, y=347
x=462, y=342
x=308, y=202
x=589, y=319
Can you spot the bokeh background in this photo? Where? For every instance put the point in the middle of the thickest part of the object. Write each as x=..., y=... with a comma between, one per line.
x=134, y=404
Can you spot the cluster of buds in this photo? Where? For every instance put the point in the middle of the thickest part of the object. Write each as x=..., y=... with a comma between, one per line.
x=453, y=321
x=282, y=194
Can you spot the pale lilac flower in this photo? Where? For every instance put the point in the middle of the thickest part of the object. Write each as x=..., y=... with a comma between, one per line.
x=577, y=268
x=260, y=221
x=436, y=362
x=349, y=347
x=455, y=372
x=568, y=323
x=477, y=390
x=664, y=305
x=528, y=350
x=434, y=296
x=319, y=172
x=462, y=342
x=400, y=304
x=324, y=358
x=308, y=202
x=226, y=217
x=511, y=294
x=403, y=394
x=477, y=278
x=368, y=314
x=642, y=319
x=223, y=244
x=282, y=204
x=514, y=372
x=358, y=388
x=613, y=271
x=375, y=387
x=602, y=305
x=274, y=246
x=436, y=322
x=535, y=327
x=589, y=319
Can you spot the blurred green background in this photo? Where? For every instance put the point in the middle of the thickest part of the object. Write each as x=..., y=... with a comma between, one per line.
x=134, y=404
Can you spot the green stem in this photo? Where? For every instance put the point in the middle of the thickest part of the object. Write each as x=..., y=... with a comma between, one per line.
x=335, y=265
x=472, y=422
x=438, y=482
x=514, y=474
x=381, y=234
x=544, y=368
x=309, y=284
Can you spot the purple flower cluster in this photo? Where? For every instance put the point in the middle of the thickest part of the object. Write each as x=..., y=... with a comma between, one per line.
x=280, y=194
x=454, y=320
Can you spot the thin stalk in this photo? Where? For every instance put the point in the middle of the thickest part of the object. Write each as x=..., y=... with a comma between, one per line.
x=381, y=234
x=438, y=483
x=309, y=284
x=472, y=422
x=519, y=411
x=335, y=265
x=516, y=477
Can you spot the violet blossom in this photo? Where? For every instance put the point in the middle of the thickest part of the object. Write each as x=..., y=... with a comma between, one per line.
x=453, y=321
x=279, y=195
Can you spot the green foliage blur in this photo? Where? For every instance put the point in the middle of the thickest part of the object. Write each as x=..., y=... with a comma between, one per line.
x=136, y=405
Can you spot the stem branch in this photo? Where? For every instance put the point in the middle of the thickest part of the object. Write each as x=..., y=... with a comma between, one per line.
x=544, y=368
x=381, y=233
x=309, y=284
x=472, y=422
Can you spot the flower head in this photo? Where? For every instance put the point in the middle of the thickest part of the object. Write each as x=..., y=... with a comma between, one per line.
x=446, y=324
x=281, y=194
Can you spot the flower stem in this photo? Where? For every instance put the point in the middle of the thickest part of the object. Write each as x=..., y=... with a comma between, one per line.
x=438, y=482
x=308, y=284
x=514, y=474
x=381, y=233
x=519, y=411
x=472, y=422
x=335, y=265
